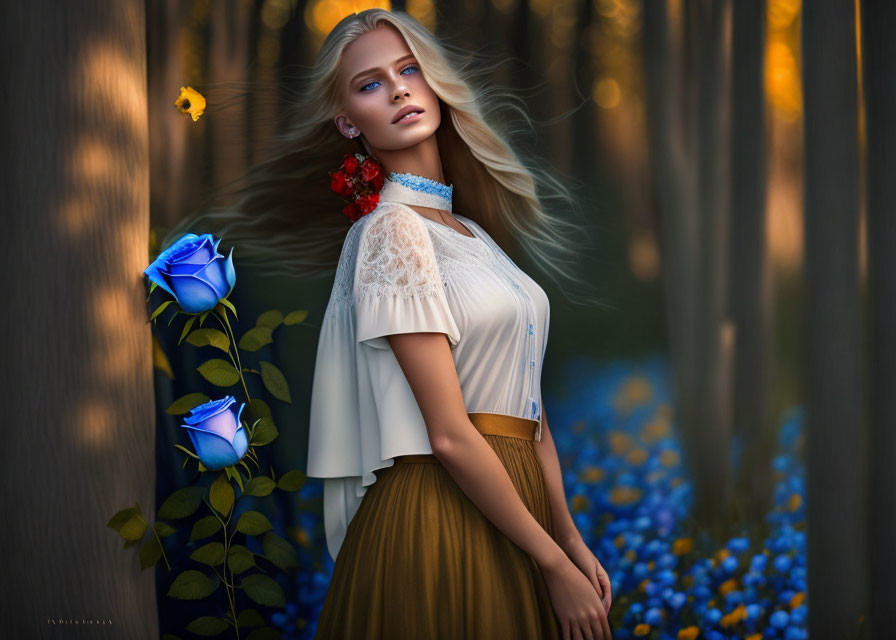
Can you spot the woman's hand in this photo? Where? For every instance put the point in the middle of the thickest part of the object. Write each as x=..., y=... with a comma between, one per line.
x=577, y=605
x=587, y=562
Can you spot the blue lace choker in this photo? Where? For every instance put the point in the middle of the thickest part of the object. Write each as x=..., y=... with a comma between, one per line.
x=409, y=188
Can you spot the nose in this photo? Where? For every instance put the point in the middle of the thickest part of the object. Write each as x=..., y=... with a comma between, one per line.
x=399, y=94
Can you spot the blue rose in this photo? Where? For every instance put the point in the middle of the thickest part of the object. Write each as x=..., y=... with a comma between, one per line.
x=194, y=272
x=218, y=436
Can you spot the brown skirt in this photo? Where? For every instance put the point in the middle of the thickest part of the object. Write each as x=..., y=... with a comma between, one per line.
x=421, y=561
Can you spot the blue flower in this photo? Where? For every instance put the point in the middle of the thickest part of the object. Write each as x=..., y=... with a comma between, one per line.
x=194, y=272
x=218, y=436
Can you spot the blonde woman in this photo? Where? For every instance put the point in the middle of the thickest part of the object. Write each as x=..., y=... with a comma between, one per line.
x=444, y=506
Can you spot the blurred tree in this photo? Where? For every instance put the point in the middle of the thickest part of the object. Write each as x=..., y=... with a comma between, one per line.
x=879, y=78
x=835, y=432
x=749, y=285
x=688, y=142
x=169, y=142
x=77, y=376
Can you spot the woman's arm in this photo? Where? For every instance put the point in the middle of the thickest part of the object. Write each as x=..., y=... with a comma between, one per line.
x=425, y=359
x=565, y=531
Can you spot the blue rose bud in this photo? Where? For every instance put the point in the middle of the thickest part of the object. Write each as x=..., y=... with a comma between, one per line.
x=194, y=272
x=218, y=436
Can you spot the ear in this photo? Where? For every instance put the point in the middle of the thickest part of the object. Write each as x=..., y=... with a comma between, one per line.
x=345, y=127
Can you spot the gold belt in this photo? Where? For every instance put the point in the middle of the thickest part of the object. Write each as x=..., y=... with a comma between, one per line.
x=487, y=424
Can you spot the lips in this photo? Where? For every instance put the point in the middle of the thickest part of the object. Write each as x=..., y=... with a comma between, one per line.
x=405, y=111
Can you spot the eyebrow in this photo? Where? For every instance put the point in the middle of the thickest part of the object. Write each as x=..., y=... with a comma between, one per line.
x=357, y=75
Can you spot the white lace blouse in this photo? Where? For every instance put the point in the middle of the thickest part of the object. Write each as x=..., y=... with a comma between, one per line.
x=400, y=272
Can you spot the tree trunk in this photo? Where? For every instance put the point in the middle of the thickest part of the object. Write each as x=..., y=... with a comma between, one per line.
x=879, y=67
x=750, y=291
x=835, y=434
x=79, y=444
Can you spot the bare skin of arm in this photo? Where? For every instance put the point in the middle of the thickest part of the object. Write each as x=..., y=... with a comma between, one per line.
x=565, y=532
x=428, y=366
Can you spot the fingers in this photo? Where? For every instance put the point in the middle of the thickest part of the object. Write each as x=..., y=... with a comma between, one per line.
x=576, y=631
x=596, y=628
x=605, y=584
x=605, y=626
x=595, y=582
x=566, y=634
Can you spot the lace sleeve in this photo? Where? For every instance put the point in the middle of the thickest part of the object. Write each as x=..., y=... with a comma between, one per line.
x=397, y=285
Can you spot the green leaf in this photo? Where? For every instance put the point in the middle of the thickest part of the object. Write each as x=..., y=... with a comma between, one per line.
x=129, y=524
x=270, y=319
x=274, y=381
x=234, y=474
x=203, y=316
x=150, y=552
x=220, y=494
x=159, y=310
x=259, y=486
x=187, y=325
x=219, y=372
x=263, y=590
x=279, y=551
x=292, y=480
x=152, y=286
x=255, y=338
x=181, y=503
x=174, y=315
x=265, y=633
x=228, y=304
x=253, y=523
x=259, y=408
x=163, y=529
x=264, y=432
x=209, y=337
x=204, y=527
x=192, y=585
x=295, y=317
x=250, y=618
x=248, y=470
x=208, y=626
x=240, y=559
x=186, y=403
x=211, y=554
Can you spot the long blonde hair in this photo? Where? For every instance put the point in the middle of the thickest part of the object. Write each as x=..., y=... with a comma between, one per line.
x=285, y=219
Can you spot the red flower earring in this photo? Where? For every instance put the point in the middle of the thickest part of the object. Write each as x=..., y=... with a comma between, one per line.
x=359, y=181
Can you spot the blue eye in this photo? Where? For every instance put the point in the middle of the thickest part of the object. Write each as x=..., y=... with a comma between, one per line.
x=410, y=66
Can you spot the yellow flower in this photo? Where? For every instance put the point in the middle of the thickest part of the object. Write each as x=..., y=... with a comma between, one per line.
x=637, y=456
x=737, y=615
x=191, y=102
x=620, y=442
x=794, y=502
x=688, y=633
x=728, y=585
x=580, y=503
x=797, y=600
x=755, y=636
x=682, y=546
x=669, y=458
x=631, y=555
x=642, y=629
x=624, y=495
x=592, y=474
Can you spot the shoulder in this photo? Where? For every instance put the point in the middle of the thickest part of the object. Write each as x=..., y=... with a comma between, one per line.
x=393, y=222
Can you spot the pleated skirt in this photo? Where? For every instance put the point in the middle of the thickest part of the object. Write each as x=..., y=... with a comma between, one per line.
x=420, y=560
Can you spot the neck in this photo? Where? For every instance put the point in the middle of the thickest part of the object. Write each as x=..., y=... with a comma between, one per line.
x=414, y=189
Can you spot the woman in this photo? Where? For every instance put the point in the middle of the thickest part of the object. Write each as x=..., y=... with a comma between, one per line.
x=444, y=506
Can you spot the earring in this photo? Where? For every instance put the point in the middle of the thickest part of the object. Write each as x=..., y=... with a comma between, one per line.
x=352, y=132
